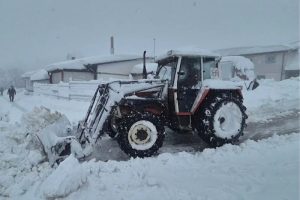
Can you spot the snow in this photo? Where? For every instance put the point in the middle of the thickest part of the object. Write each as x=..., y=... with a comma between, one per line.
x=189, y=51
x=36, y=75
x=64, y=181
x=39, y=75
x=244, y=65
x=263, y=169
x=239, y=61
x=28, y=74
x=232, y=116
x=272, y=98
x=82, y=62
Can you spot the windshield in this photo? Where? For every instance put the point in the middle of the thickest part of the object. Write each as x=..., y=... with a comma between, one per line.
x=209, y=64
x=166, y=69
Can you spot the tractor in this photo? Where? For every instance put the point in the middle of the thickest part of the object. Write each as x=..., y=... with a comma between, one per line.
x=185, y=95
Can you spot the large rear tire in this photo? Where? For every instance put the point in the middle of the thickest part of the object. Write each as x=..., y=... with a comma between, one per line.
x=141, y=135
x=222, y=120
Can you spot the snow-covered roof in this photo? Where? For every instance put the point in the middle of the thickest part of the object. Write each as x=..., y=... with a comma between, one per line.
x=294, y=45
x=28, y=74
x=39, y=75
x=138, y=69
x=239, y=62
x=35, y=75
x=253, y=50
x=80, y=63
x=69, y=64
x=189, y=52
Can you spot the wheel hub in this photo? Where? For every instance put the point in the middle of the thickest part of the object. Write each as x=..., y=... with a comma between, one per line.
x=221, y=120
x=142, y=135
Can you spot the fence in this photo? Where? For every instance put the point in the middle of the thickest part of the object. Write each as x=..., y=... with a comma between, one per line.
x=79, y=90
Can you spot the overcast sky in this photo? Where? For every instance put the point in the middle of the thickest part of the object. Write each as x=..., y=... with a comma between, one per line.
x=35, y=33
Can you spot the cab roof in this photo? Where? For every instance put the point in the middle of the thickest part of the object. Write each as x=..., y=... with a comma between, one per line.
x=198, y=52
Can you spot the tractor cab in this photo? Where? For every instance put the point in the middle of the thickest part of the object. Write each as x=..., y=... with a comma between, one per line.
x=185, y=72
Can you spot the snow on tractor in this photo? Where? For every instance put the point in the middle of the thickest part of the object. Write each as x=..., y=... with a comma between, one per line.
x=184, y=96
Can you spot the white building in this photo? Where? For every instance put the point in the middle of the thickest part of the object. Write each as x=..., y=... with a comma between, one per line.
x=92, y=68
x=269, y=61
x=37, y=76
x=137, y=70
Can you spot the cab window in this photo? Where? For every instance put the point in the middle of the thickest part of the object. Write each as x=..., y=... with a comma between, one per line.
x=166, y=69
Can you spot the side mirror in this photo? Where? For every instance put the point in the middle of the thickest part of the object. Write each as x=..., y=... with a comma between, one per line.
x=181, y=73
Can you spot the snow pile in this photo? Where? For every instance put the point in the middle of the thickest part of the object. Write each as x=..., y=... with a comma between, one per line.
x=248, y=171
x=39, y=118
x=64, y=181
x=243, y=67
x=21, y=153
x=272, y=98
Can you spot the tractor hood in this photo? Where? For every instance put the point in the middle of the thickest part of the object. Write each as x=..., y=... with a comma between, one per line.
x=220, y=84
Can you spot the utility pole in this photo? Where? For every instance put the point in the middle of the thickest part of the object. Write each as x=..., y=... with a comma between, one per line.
x=112, y=48
x=144, y=66
x=154, y=40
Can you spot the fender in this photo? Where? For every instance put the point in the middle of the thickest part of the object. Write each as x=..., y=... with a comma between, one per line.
x=154, y=106
x=204, y=93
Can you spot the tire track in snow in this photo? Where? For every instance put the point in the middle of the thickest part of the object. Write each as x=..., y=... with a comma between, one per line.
x=280, y=125
x=108, y=149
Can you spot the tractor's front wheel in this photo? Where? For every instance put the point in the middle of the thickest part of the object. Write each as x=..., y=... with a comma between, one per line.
x=141, y=135
x=222, y=121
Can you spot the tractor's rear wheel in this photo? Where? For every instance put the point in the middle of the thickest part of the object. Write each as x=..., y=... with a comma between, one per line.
x=222, y=120
x=141, y=135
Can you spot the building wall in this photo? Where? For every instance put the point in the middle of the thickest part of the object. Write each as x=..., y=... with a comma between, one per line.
x=292, y=65
x=268, y=65
x=71, y=76
x=28, y=84
x=77, y=76
x=118, y=70
x=56, y=77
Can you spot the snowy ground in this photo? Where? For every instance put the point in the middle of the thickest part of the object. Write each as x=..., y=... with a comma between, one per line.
x=265, y=165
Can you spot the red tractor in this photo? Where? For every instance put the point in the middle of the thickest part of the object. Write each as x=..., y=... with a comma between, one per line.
x=185, y=96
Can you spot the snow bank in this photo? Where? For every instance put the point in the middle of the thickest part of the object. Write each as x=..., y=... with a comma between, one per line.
x=272, y=98
x=248, y=171
x=21, y=155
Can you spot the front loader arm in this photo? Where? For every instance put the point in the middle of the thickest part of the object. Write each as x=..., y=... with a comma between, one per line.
x=106, y=96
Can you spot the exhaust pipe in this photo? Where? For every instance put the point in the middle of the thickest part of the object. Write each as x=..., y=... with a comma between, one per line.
x=144, y=66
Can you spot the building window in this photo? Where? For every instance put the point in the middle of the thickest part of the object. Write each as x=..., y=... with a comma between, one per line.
x=270, y=59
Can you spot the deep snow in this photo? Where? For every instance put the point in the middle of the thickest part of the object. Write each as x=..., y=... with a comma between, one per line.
x=264, y=169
